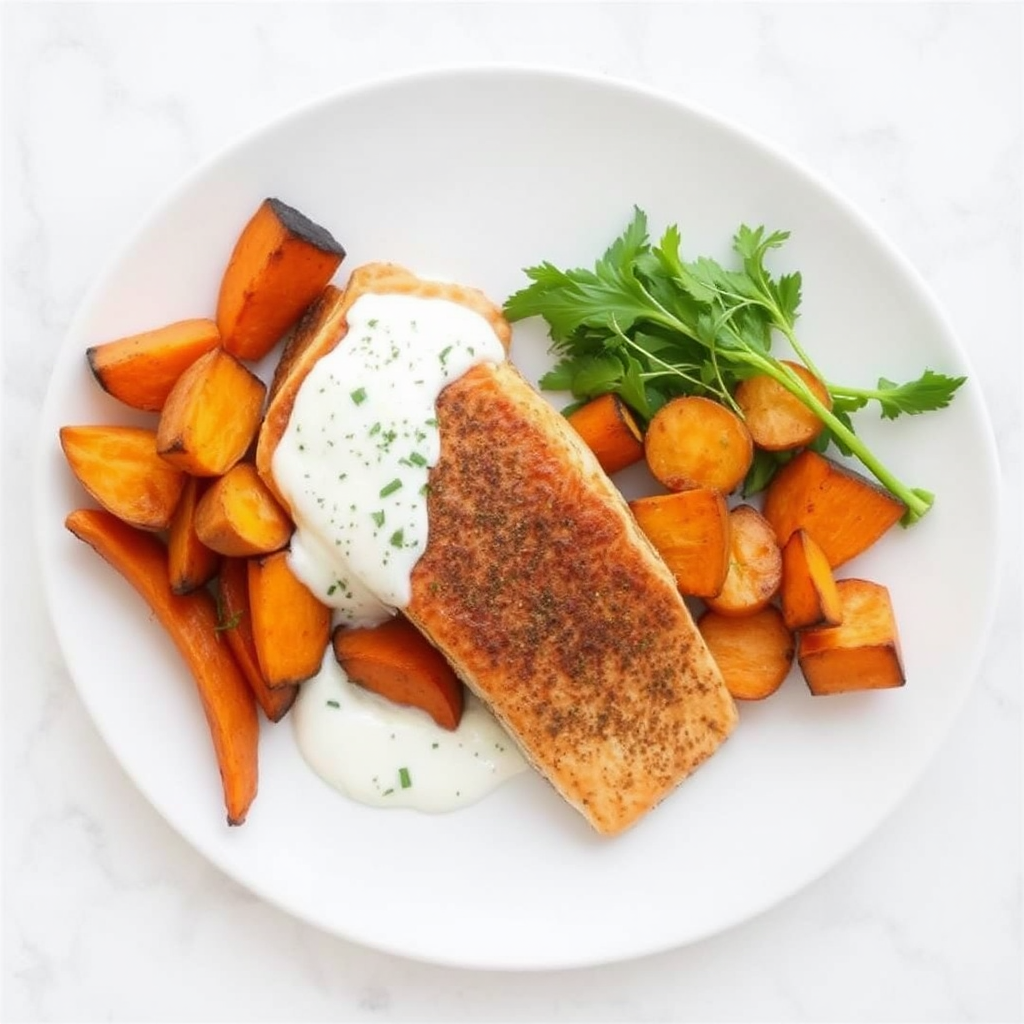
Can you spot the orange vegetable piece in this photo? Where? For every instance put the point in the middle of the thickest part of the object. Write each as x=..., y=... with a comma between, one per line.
x=754, y=653
x=141, y=369
x=776, y=418
x=280, y=264
x=755, y=565
x=211, y=415
x=395, y=660
x=119, y=466
x=290, y=627
x=191, y=622
x=861, y=654
x=690, y=530
x=842, y=510
x=808, y=594
x=696, y=442
x=239, y=516
x=610, y=431
x=236, y=630
x=190, y=563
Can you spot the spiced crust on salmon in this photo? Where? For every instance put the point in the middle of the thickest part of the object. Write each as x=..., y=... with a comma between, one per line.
x=538, y=586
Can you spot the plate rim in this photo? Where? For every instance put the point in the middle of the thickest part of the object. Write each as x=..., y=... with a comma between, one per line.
x=44, y=443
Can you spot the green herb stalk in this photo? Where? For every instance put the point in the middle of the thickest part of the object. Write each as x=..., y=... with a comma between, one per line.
x=648, y=326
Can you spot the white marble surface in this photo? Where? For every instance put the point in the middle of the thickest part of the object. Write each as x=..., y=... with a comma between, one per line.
x=912, y=109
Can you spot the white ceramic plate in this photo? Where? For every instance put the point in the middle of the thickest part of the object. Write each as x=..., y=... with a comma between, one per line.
x=473, y=174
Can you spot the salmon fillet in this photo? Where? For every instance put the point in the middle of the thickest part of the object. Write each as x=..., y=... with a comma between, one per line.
x=541, y=591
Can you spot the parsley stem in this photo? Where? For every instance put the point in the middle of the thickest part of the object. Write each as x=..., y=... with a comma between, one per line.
x=790, y=336
x=917, y=501
x=667, y=368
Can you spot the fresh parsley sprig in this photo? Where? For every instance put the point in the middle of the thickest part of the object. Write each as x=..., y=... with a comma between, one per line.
x=649, y=325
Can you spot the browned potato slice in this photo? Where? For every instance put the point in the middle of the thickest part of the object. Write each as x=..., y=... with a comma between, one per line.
x=754, y=653
x=755, y=565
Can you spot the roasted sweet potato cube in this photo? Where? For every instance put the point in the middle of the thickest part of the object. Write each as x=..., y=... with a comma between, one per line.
x=119, y=466
x=290, y=627
x=280, y=264
x=842, y=510
x=211, y=415
x=238, y=516
x=808, y=594
x=861, y=654
x=610, y=431
x=690, y=530
x=140, y=370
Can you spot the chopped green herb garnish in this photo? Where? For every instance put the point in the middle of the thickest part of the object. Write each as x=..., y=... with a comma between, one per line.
x=397, y=538
x=222, y=622
x=390, y=488
x=378, y=518
x=359, y=396
x=404, y=778
x=418, y=460
x=443, y=354
x=375, y=429
x=333, y=704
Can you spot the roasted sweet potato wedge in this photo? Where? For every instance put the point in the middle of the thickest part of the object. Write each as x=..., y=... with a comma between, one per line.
x=696, y=442
x=280, y=264
x=843, y=511
x=861, y=654
x=690, y=530
x=236, y=629
x=211, y=415
x=778, y=420
x=754, y=653
x=610, y=432
x=808, y=594
x=190, y=563
x=141, y=369
x=191, y=622
x=395, y=660
x=238, y=515
x=119, y=466
x=755, y=565
x=291, y=628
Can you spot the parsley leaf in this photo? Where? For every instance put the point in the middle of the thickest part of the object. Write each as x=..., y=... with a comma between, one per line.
x=649, y=325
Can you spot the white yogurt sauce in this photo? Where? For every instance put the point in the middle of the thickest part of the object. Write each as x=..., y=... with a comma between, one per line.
x=353, y=465
x=386, y=755
x=360, y=442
